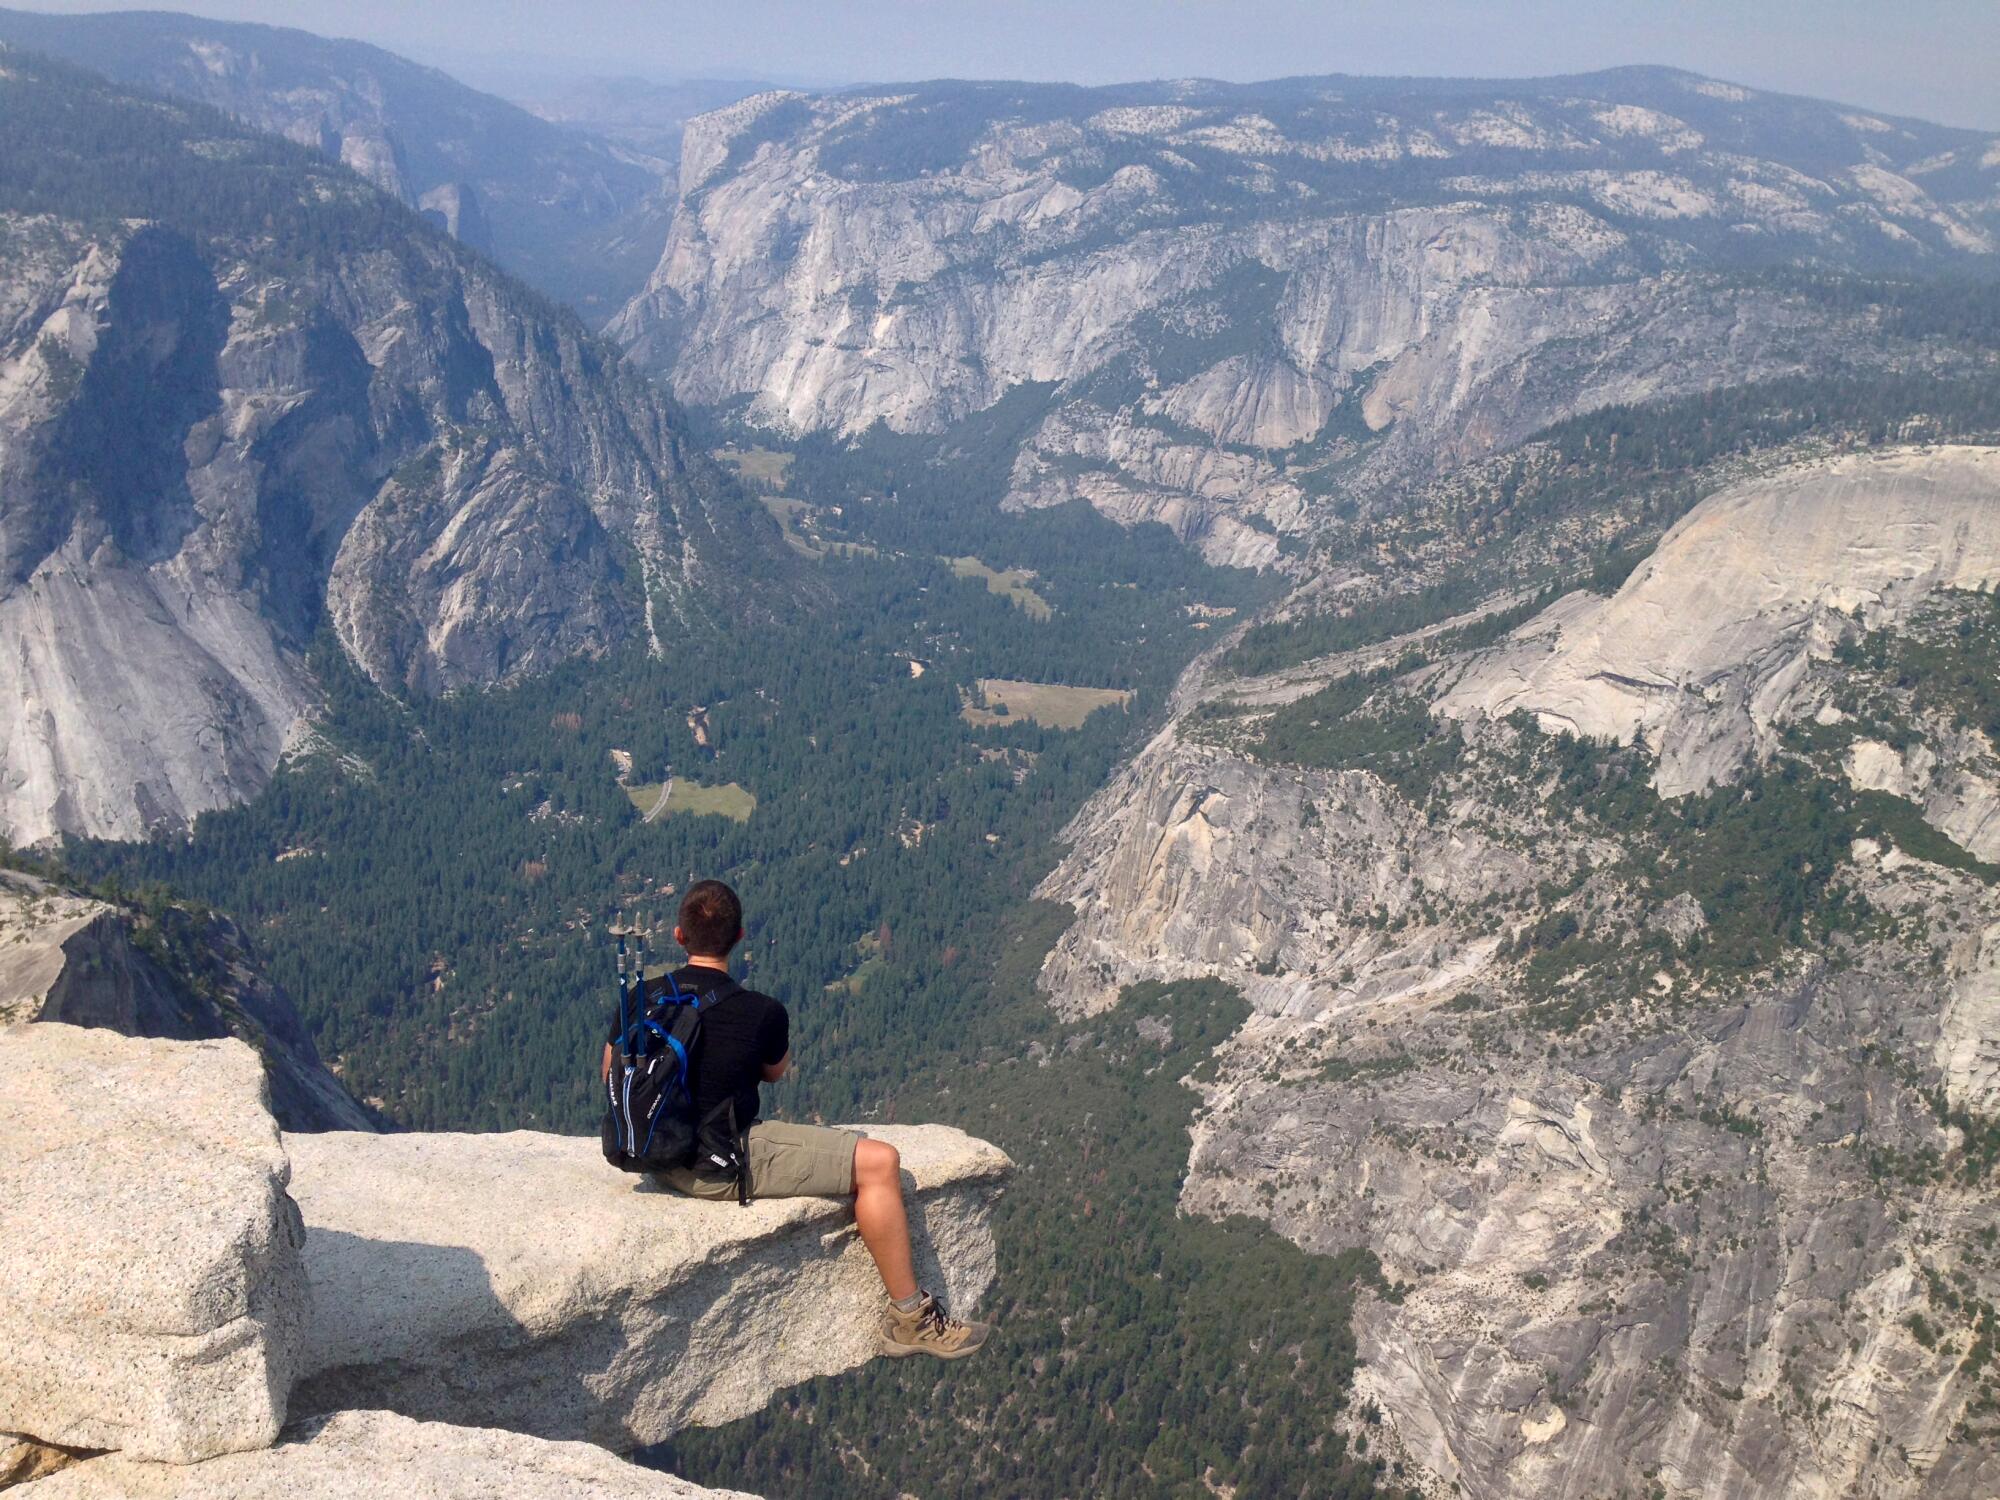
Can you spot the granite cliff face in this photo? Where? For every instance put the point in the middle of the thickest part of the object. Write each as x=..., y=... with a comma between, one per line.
x=516, y=1281
x=213, y=436
x=1241, y=296
x=1672, y=1117
x=575, y=216
x=1701, y=652
x=644, y=114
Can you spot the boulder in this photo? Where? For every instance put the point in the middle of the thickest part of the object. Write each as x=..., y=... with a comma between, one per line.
x=152, y=1295
x=517, y=1281
x=365, y=1455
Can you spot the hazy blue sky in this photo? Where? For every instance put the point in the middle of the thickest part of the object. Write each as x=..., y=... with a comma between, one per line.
x=1935, y=58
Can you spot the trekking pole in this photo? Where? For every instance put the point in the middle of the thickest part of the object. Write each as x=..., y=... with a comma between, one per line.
x=624, y=1021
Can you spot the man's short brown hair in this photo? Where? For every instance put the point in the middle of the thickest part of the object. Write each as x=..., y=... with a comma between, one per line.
x=711, y=919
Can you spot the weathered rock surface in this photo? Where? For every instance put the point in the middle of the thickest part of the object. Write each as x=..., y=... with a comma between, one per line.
x=1699, y=652
x=1654, y=1227
x=1968, y=1043
x=1371, y=279
x=1698, y=1248
x=517, y=1281
x=65, y=957
x=364, y=1455
x=153, y=1299
x=1194, y=861
x=388, y=434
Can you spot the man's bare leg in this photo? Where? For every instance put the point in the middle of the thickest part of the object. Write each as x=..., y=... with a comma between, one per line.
x=913, y=1322
x=880, y=1216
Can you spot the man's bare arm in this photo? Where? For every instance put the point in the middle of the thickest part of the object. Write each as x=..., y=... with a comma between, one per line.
x=774, y=1071
x=605, y=1076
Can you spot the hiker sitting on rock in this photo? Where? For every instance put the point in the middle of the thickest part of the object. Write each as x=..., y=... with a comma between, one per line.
x=682, y=1070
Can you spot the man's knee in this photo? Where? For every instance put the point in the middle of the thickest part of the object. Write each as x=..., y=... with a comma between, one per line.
x=877, y=1164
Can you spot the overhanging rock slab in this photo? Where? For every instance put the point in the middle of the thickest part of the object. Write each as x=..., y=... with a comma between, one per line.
x=517, y=1281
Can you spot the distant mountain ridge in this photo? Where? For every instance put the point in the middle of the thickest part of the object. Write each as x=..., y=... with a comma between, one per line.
x=1248, y=296
x=577, y=217
x=242, y=393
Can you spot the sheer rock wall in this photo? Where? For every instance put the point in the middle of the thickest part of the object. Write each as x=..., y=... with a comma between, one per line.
x=1723, y=1235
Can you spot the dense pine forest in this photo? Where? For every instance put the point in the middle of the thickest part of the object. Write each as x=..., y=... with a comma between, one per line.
x=1142, y=1351
x=432, y=879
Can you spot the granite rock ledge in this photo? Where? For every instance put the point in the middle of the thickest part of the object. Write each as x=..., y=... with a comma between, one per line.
x=452, y=1315
x=517, y=1281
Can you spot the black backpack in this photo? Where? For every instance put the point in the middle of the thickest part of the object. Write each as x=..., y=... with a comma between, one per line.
x=649, y=1122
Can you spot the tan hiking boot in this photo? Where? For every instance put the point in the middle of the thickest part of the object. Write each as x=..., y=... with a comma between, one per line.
x=928, y=1329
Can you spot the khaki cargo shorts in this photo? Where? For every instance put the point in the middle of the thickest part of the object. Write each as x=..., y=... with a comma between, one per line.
x=786, y=1161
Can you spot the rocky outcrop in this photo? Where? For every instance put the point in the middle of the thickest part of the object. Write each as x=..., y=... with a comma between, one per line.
x=1650, y=1223
x=1246, y=298
x=1968, y=1044
x=362, y=1455
x=170, y=972
x=157, y=1301
x=517, y=1281
x=364, y=425
x=1195, y=861
x=573, y=215
x=154, y=1300
x=645, y=114
x=454, y=208
x=1700, y=650
x=1954, y=781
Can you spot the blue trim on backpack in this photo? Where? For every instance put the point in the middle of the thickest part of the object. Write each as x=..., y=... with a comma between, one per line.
x=633, y=996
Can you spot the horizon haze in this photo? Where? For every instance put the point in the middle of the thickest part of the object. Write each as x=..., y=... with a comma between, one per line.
x=1846, y=51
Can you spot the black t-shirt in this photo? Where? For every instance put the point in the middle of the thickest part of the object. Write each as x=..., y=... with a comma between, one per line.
x=740, y=1037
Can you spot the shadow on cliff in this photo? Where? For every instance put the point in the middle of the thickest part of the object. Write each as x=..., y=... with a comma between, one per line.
x=923, y=1248
x=424, y=1330
x=379, y=1303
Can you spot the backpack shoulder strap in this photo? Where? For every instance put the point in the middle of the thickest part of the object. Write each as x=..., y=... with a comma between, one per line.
x=707, y=997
